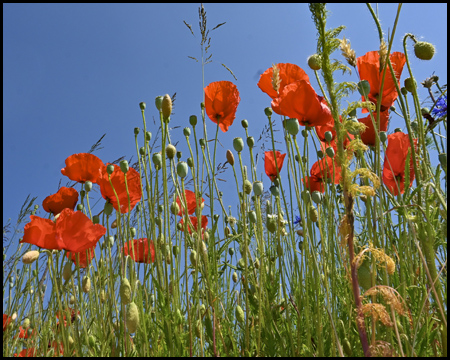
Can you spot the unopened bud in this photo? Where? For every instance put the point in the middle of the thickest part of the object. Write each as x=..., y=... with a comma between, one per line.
x=230, y=157
x=171, y=151
x=30, y=256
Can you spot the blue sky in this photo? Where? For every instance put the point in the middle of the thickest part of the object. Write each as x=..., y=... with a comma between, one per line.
x=72, y=72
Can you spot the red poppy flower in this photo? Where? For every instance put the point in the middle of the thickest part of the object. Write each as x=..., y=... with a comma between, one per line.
x=118, y=181
x=191, y=203
x=395, y=162
x=194, y=223
x=368, y=136
x=288, y=73
x=73, y=231
x=299, y=100
x=83, y=167
x=23, y=333
x=143, y=253
x=269, y=163
x=67, y=312
x=369, y=69
x=221, y=102
x=64, y=198
x=30, y=352
x=6, y=321
x=84, y=257
x=322, y=129
x=319, y=171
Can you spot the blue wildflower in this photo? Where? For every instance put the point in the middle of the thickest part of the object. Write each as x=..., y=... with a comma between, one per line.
x=440, y=109
x=298, y=220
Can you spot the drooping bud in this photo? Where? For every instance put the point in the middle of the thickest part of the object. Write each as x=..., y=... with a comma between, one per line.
x=230, y=157
x=30, y=257
x=424, y=50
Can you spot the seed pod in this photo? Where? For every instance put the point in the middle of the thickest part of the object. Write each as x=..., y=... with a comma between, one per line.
x=247, y=187
x=157, y=160
x=383, y=136
x=268, y=111
x=250, y=141
x=186, y=131
x=235, y=277
x=132, y=317
x=182, y=169
x=67, y=271
x=88, y=186
x=171, y=151
x=125, y=291
x=193, y=120
x=252, y=216
x=123, y=166
x=110, y=169
x=315, y=62
x=30, y=256
x=241, y=263
x=166, y=107
x=258, y=188
x=317, y=197
x=240, y=316
x=274, y=190
x=86, y=284
x=238, y=144
x=424, y=50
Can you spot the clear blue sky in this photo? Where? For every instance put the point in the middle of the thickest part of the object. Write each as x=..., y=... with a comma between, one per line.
x=72, y=72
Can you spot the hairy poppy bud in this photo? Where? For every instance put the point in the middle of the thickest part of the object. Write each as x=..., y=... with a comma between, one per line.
x=136, y=130
x=67, y=271
x=443, y=160
x=410, y=84
x=244, y=124
x=247, y=187
x=235, y=277
x=216, y=217
x=292, y=126
x=182, y=169
x=258, y=187
x=171, y=151
x=226, y=231
x=279, y=250
x=157, y=160
x=268, y=111
x=403, y=91
x=238, y=144
x=315, y=62
x=30, y=256
x=305, y=133
x=125, y=291
x=193, y=120
x=110, y=169
x=132, y=317
x=88, y=186
x=424, y=50
x=142, y=106
x=330, y=152
x=175, y=250
x=186, y=131
x=132, y=231
x=124, y=166
x=158, y=102
x=230, y=157
x=364, y=87
x=86, y=284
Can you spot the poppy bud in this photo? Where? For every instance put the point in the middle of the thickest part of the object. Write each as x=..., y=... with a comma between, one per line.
x=397, y=130
x=250, y=142
x=202, y=142
x=300, y=232
x=244, y=124
x=108, y=209
x=247, y=187
x=271, y=223
x=158, y=102
x=132, y=317
x=110, y=240
x=330, y=152
x=30, y=256
x=403, y=91
x=226, y=231
x=235, y=277
x=238, y=144
x=443, y=160
x=274, y=190
x=216, y=217
x=148, y=136
x=86, y=284
x=182, y=169
x=383, y=136
x=132, y=231
x=268, y=111
x=179, y=226
x=292, y=126
x=252, y=216
x=279, y=250
x=258, y=188
x=174, y=208
x=410, y=84
x=142, y=106
x=424, y=50
x=114, y=224
x=317, y=197
x=231, y=251
x=190, y=162
x=193, y=257
x=365, y=276
x=241, y=263
x=186, y=131
x=171, y=151
x=240, y=316
x=67, y=271
x=313, y=214
x=320, y=154
x=166, y=107
x=110, y=169
x=347, y=347
x=392, y=108
x=142, y=151
x=136, y=130
x=300, y=243
x=193, y=120
x=202, y=105
x=88, y=186
x=125, y=291
x=305, y=133
x=157, y=160
x=315, y=62
x=96, y=219
x=230, y=157
x=124, y=166
x=364, y=87
x=102, y=296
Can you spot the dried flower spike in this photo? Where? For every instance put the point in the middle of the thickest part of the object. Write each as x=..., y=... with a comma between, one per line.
x=347, y=52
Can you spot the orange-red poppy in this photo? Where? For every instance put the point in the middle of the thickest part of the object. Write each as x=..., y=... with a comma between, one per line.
x=83, y=167
x=395, y=162
x=30, y=352
x=23, y=333
x=84, y=257
x=221, y=102
x=69, y=311
x=64, y=198
x=191, y=203
x=143, y=252
x=368, y=136
x=6, y=321
x=118, y=181
x=72, y=231
x=195, y=223
x=288, y=73
x=299, y=100
x=269, y=163
x=322, y=129
x=369, y=69
x=319, y=171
